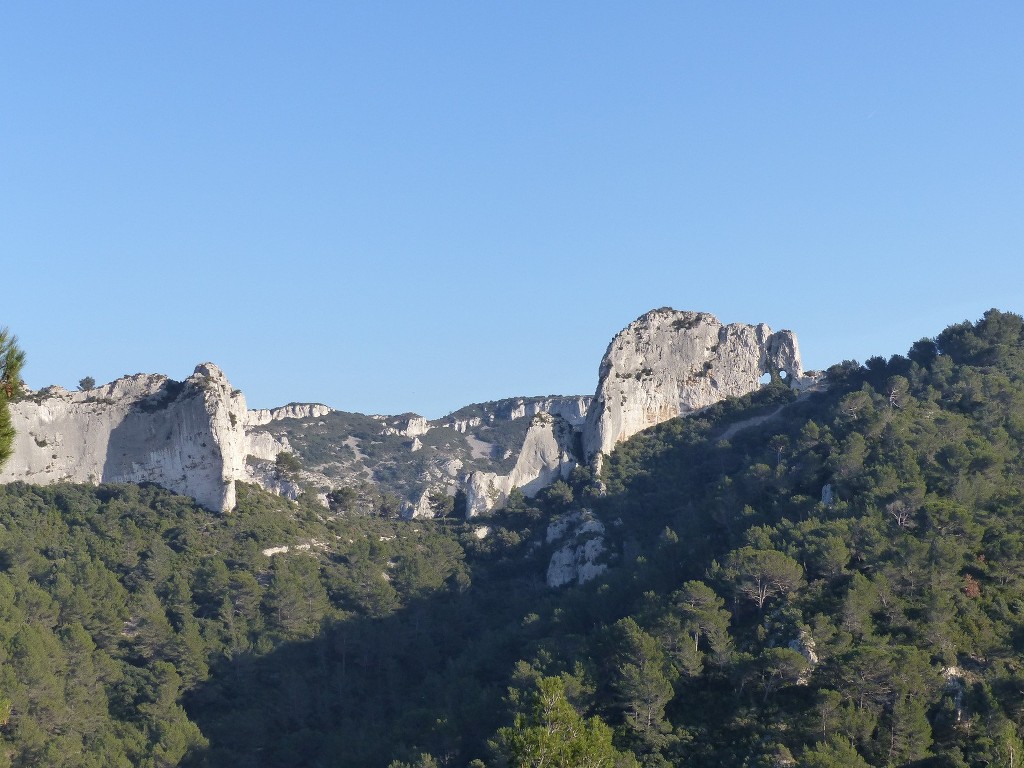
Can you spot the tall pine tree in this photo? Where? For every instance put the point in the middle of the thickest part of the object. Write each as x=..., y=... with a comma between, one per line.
x=12, y=358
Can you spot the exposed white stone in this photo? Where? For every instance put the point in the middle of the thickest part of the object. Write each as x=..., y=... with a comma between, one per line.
x=572, y=409
x=557, y=529
x=407, y=426
x=186, y=436
x=805, y=646
x=309, y=547
x=423, y=508
x=546, y=456
x=262, y=416
x=577, y=560
x=266, y=475
x=827, y=495
x=479, y=449
x=464, y=425
x=562, y=568
x=265, y=446
x=956, y=684
x=669, y=363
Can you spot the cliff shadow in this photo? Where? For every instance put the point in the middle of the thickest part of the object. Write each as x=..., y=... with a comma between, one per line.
x=149, y=428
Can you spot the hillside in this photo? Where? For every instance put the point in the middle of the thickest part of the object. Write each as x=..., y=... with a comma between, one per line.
x=830, y=578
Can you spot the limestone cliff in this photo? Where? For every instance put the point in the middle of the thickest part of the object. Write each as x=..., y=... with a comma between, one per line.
x=547, y=454
x=196, y=437
x=263, y=416
x=669, y=363
x=573, y=409
x=186, y=436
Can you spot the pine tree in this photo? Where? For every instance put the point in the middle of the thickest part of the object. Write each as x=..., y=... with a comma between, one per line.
x=835, y=753
x=553, y=734
x=12, y=358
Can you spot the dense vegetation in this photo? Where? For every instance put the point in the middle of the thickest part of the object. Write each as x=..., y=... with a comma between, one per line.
x=12, y=358
x=834, y=579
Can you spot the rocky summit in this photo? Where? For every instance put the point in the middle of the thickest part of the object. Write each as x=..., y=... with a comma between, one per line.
x=197, y=438
x=669, y=363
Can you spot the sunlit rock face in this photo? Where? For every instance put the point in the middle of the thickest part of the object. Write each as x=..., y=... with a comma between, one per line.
x=185, y=436
x=547, y=455
x=196, y=437
x=669, y=363
x=263, y=416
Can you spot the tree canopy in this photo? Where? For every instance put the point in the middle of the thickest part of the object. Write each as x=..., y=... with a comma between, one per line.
x=12, y=358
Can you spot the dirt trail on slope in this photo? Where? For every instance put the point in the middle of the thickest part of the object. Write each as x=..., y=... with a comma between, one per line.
x=747, y=423
x=753, y=421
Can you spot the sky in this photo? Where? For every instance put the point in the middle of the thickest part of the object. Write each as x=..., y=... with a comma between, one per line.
x=405, y=206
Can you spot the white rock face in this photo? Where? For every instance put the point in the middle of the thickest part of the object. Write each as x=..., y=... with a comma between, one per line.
x=263, y=416
x=266, y=475
x=571, y=409
x=422, y=508
x=186, y=436
x=464, y=425
x=407, y=426
x=265, y=446
x=546, y=456
x=576, y=561
x=668, y=363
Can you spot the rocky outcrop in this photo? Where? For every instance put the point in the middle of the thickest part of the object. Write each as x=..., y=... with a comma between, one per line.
x=263, y=416
x=577, y=560
x=185, y=436
x=407, y=426
x=264, y=446
x=547, y=455
x=572, y=409
x=266, y=475
x=669, y=363
x=805, y=646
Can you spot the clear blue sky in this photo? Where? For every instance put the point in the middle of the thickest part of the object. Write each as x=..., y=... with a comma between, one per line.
x=414, y=206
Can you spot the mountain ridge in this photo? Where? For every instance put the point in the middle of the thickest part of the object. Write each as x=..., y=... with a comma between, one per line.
x=664, y=364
